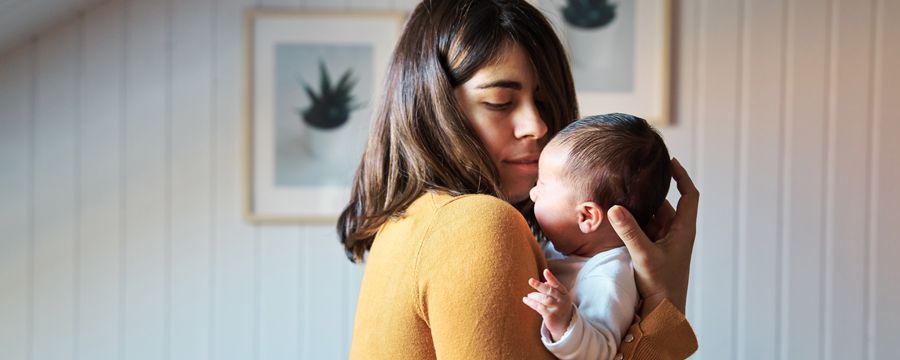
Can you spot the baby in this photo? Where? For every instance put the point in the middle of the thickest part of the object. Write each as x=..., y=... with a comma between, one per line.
x=589, y=298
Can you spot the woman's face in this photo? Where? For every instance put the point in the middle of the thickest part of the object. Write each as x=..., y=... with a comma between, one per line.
x=501, y=103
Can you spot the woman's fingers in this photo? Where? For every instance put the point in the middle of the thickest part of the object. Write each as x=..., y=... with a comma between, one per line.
x=662, y=220
x=690, y=196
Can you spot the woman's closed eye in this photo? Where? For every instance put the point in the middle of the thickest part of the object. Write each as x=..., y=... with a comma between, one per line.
x=498, y=106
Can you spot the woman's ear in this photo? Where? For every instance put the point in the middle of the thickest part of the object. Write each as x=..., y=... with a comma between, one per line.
x=590, y=216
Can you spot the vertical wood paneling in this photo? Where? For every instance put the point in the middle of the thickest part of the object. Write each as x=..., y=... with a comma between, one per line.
x=684, y=51
x=146, y=228
x=55, y=202
x=760, y=168
x=235, y=240
x=101, y=188
x=886, y=210
x=190, y=212
x=716, y=175
x=680, y=138
x=805, y=131
x=849, y=122
x=16, y=90
x=280, y=299
x=279, y=293
x=325, y=271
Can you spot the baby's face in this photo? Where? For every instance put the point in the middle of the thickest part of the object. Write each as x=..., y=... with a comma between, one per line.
x=556, y=201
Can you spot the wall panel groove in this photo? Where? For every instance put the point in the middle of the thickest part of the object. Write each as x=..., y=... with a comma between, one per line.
x=885, y=320
x=167, y=178
x=77, y=180
x=211, y=181
x=739, y=283
x=828, y=174
x=780, y=183
x=871, y=261
x=32, y=117
x=123, y=179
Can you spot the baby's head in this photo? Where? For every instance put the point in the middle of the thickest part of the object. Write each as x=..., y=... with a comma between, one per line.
x=591, y=165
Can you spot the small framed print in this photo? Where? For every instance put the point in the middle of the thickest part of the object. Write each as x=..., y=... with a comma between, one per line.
x=312, y=82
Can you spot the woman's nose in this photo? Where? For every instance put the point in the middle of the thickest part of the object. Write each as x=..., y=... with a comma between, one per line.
x=529, y=123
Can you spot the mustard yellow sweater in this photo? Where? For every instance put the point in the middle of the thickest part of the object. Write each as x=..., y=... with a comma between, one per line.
x=446, y=281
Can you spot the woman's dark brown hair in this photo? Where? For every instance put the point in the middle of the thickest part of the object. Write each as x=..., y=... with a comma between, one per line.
x=420, y=139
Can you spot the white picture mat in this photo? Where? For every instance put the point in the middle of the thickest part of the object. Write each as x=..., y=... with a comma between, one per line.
x=269, y=200
x=650, y=97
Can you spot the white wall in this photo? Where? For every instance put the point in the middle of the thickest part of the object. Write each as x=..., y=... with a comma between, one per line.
x=120, y=222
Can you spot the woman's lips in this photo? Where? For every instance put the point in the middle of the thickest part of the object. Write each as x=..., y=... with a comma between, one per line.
x=526, y=163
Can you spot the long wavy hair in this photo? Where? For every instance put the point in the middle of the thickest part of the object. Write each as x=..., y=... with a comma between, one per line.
x=420, y=139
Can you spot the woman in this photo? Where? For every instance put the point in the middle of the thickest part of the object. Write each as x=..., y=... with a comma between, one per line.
x=440, y=199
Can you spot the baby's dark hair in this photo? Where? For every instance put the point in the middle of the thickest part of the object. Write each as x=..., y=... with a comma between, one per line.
x=617, y=159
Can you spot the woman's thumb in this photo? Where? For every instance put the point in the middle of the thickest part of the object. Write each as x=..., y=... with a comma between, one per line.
x=631, y=234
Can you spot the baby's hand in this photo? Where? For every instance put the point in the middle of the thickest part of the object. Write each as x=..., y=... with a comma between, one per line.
x=553, y=302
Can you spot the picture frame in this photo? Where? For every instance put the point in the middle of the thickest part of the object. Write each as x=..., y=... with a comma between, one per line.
x=312, y=81
x=617, y=66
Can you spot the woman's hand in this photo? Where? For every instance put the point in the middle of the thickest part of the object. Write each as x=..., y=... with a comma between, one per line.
x=662, y=267
x=553, y=302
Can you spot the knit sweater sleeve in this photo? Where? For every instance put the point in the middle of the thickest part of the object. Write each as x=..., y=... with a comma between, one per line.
x=471, y=273
x=664, y=334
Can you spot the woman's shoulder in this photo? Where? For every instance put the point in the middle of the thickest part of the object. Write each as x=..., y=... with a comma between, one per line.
x=469, y=201
x=475, y=209
x=474, y=229
x=476, y=217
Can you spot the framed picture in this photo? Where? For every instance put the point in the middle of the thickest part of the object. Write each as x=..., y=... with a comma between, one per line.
x=619, y=52
x=312, y=82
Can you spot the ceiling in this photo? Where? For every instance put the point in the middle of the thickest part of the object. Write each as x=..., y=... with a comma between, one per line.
x=21, y=20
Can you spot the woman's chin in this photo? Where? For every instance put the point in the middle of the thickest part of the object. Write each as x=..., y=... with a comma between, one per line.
x=517, y=190
x=518, y=196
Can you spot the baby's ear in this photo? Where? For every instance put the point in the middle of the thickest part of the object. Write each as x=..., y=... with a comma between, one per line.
x=590, y=216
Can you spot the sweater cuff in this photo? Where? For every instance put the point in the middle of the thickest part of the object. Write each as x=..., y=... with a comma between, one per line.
x=663, y=334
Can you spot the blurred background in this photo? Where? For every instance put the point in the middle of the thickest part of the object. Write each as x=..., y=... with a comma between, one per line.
x=121, y=226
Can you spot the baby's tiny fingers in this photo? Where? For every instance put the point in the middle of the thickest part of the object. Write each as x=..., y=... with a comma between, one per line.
x=534, y=284
x=545, y=299
x=542, y=288
x=554, y=282
x=536, y=306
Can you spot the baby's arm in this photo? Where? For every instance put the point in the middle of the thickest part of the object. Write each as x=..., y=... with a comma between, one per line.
x=593, y=330
x=553, y=302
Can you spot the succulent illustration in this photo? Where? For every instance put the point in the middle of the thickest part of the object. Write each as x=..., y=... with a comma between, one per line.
x=589, y=14
x=332, y=106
